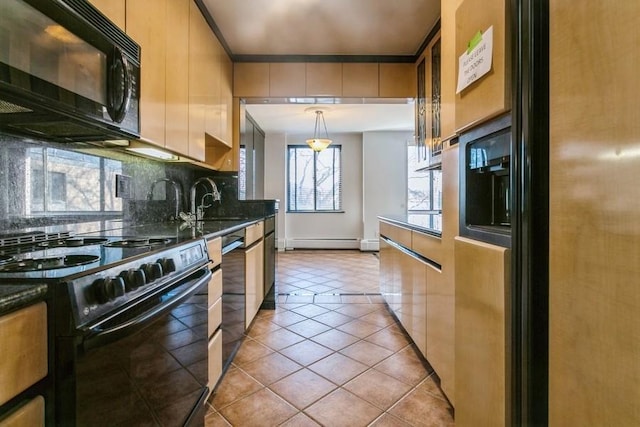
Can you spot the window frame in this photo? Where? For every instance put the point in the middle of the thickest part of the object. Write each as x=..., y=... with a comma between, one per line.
x=333, y=147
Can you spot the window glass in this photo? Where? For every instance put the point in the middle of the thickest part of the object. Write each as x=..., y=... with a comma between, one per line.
x=315, y=179
x=424, y=194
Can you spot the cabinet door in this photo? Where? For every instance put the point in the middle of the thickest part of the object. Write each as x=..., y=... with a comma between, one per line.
x=177, y=73
x=215, y=359
x=254, y=274
x=324, y=79
x=31, y=414
x=360, y=80
x=24, y=332
x=145, y=24
x=198, y=52
x=112, y=9
x=397, y=80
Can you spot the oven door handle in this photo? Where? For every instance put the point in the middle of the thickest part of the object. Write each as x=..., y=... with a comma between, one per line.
x=97, y=337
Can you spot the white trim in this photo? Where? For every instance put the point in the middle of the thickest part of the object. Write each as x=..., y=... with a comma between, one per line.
x=369, y=245
x=322, y=244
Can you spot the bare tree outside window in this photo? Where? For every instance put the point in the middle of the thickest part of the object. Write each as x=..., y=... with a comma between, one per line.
x=315, y=179
x=424, y=194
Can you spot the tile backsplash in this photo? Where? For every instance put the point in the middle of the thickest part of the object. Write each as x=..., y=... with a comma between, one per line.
x=44, y=183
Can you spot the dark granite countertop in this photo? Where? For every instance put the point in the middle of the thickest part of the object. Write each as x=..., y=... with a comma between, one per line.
x=13, y=296
x=409, y=222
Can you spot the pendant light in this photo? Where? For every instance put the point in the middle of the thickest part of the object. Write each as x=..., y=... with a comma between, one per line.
x=317, y=143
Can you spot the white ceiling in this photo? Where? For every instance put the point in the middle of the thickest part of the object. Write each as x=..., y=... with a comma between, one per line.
x=326, y=27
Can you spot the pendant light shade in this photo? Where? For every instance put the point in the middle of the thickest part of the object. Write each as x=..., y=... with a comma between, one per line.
x=317, y=143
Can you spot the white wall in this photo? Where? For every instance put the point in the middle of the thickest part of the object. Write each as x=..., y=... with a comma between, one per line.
x=374, y=183
x=384, y=158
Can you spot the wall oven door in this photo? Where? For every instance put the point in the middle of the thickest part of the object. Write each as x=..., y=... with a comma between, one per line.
x=145, y=365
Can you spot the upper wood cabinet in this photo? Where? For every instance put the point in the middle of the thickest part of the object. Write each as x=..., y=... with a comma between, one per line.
x=115, y=10
x=397, y=81
x=324, y=79
x=491, y=94
x=449, y=64
x=287, y=78
x=146, y=24
x=176, y=71
x=360, y=80
x=262, y=79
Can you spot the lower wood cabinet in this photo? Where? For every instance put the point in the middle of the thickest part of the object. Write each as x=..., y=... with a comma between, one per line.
x=482, y=276
x=214, y=320
x=215, y=358
x=30, y=414
x=23, y=359
x=254, y=275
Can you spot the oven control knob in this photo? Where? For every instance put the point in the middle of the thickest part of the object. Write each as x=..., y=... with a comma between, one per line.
x=152, y=271
x=168, y=265
x=133, y=279
x=108, y=289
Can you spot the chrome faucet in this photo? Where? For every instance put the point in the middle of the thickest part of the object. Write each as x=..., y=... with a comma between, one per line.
x=176, y=188
x=198, y=211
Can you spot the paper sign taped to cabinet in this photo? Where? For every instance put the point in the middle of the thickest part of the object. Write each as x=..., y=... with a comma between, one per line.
x=476, y=62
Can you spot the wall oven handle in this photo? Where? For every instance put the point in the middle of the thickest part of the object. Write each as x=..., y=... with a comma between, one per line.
x=96, y=336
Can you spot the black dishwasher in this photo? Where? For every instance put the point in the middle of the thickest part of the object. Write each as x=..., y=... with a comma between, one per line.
x=233, y=296
x=269, y=302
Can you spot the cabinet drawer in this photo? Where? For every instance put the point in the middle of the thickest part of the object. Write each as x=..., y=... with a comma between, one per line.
x=215, y=316
x=253, y=233
x=400, y=235
x=214, y=248
x=215, y=287
x=215, y=359
x=428, y=246
x=25, y=333
x=31, y=414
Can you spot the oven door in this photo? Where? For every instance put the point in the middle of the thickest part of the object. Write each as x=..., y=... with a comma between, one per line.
x=146, y=365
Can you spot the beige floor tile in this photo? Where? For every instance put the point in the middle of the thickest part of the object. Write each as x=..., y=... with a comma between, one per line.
x=380, y=317
x=388, y=420
x=377, y=388
x=306, y=352
x=300, y=420
x=366, y=352
x=343, y=409
x=430, y=386
x=357, y=310
x=279, y=339
x=333, y=319
x=338, y=368
x=235, y=385
x=404, y=366
x=215, y=420
x=308, y=328
x=249, y=351
x=389, y=339
x=271, y=368
x=335, y=339
x=359, y=328
x=264, y=408
x=329, y=299
x=310, y=310
x=287, y=318
x=422, y=409
x=262, y=326
x=302, y=388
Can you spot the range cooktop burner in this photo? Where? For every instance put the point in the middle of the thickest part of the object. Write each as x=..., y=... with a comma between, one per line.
x=52, y=263
x=137, y=243
x=73, y=242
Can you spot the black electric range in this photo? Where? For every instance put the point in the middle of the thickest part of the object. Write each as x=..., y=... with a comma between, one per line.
x=128, y=313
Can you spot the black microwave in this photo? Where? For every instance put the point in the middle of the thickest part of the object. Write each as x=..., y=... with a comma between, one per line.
x=67, y=73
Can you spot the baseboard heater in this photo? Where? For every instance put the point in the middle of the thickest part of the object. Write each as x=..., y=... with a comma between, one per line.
x=322, y=244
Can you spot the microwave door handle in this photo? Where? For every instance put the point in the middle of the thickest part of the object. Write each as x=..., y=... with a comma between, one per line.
x=97, y=337
x=118, y=108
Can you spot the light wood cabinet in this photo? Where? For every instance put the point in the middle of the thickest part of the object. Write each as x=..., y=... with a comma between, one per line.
x=146, y=25
x=287, y=78
x=30, y=414
x=397, y=80
x=176, y=77
x=481, y=319
x=24, y=332
x=251, y=79
x=491, y=94
x=360, y=80
x=214, y=364
x=115, y=10
x=254, y=276
x=449, y=65
x=323, y=79
x=200, y=60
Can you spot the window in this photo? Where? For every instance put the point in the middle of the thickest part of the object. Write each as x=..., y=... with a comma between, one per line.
x=65, y=181
x=424, y=197
x=315, y=179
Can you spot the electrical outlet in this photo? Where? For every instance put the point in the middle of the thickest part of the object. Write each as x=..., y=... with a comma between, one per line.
x=123, y=186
